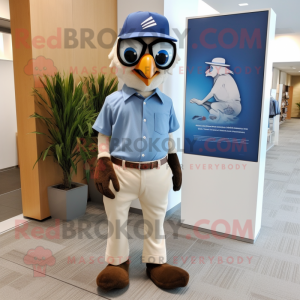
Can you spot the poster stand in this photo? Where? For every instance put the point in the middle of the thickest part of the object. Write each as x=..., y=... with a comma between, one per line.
x=226, y=200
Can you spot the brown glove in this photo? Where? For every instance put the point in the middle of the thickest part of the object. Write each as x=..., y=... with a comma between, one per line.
x=176, y=170
x=105, y=172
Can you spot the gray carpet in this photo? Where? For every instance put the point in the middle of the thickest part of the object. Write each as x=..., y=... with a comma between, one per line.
x=219, y=269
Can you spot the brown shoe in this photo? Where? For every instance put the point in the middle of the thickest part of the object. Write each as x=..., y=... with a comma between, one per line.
x=166, y=276
x=114, y=277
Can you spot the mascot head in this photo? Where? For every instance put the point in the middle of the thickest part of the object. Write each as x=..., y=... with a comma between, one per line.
x=144, y=53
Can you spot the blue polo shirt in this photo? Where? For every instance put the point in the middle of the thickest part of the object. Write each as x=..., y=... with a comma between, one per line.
x=139, y=127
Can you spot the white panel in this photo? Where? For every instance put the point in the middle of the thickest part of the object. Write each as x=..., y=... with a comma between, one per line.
x=4, y=9
x=5, y=46
x=220, y=193
x=12, y=223
x=264, y=121
x=286, y=48
x=234, y=192
x=8, y=126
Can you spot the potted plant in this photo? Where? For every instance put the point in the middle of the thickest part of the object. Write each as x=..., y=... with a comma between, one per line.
x=68, y=116
x=98, y=89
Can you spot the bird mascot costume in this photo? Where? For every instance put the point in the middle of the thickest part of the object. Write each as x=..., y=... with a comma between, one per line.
x=138, y=122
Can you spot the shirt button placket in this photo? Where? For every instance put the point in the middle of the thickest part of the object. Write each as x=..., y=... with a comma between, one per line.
x=144, y=125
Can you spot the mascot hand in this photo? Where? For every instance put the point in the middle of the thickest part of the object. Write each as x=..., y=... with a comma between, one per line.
x=105, y=172
x=176, y=170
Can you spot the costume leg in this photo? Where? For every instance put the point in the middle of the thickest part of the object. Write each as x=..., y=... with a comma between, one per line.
x=117, y=209
x=155, y=186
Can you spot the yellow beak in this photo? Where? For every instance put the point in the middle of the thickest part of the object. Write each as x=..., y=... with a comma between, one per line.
x=146, y=69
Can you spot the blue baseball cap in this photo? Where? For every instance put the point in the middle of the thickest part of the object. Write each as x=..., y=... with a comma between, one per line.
x=146, y=24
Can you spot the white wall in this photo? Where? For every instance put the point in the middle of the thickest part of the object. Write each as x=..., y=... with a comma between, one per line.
x=4, y=9
x=283, y=78
x=286, y=48
x=205, y=9
x=5, y=46
x=126, y=7
x=288, y=80
x=8, y=121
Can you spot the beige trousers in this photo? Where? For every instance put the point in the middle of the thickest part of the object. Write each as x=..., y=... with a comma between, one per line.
x=152, y=188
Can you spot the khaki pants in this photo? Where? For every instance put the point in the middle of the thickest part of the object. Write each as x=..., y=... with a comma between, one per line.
x=152, y=188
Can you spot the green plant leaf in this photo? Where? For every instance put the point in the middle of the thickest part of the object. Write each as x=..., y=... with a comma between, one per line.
x=46, y=152
x=68, y=113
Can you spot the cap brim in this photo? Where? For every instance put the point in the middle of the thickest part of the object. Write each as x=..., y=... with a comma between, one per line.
x=147, y=34
x=216, y=64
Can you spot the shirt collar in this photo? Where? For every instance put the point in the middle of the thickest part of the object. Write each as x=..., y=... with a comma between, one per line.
x=128, y=92
x=159, y=94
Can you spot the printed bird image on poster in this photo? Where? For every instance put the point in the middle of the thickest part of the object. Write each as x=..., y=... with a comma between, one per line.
x=224, y=85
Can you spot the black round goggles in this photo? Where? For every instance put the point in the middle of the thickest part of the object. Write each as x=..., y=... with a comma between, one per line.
x=130, y=52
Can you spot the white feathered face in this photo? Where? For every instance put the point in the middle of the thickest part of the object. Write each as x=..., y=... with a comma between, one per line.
x=140, y=68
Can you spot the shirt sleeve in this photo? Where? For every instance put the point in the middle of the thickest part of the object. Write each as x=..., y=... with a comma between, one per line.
x=173, y=123
x=104, y=121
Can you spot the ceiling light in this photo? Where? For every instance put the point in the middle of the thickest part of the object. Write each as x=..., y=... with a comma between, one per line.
x=243, y=4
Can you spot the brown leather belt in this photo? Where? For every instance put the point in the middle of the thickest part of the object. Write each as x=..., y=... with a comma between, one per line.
x=139, y=166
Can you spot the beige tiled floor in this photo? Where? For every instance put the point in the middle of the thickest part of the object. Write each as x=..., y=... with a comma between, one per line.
x=273, y=272
x=10, y=180
x=10, y=194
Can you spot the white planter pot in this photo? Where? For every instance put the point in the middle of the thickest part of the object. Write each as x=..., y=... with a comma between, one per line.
x=68, y=205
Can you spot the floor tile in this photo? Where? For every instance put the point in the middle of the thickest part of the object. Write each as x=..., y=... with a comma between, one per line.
x=10, y=180
x=12, y=199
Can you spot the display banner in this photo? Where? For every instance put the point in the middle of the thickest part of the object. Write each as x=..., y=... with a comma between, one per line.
x=224, y=85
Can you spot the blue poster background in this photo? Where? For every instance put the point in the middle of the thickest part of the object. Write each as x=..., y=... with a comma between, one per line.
x=250, y=85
